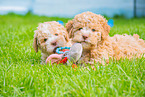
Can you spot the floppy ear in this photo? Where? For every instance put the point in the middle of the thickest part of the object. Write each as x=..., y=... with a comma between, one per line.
x=35, y=46
x=69, y=27
x=66, y=37
x=106, y=28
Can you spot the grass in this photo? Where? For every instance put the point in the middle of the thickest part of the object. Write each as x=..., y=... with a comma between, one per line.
x=22, y=75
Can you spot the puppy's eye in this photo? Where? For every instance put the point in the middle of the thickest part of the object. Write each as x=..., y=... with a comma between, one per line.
x=80, y=28
x=56, y=34
x=93, y=30
x=45, y=39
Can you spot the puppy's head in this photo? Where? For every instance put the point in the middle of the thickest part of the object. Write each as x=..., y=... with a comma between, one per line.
x=49, y=36
x=88, y=29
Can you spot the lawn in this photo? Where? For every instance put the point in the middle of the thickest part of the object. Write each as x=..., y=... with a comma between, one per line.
x=21, y=73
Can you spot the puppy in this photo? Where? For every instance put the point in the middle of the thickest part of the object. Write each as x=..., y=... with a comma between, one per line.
x=92, y=31
x=48, y=37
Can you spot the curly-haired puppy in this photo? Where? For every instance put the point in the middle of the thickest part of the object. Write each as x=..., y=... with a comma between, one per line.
x=92, y=31
x=49, y=36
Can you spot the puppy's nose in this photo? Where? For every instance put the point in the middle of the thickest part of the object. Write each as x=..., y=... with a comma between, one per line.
x=54, y=43
x=85, y=37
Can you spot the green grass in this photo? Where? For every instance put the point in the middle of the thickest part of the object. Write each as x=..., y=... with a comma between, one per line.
x=22, y=75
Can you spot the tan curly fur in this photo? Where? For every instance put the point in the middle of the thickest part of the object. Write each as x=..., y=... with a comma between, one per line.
x=92, y=31
x=49, y=36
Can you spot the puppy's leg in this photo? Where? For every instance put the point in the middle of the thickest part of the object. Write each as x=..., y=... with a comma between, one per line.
x=43, y=58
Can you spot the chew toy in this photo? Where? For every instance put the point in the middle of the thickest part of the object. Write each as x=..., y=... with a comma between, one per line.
x=57, y=58
x=66, y=55
x=63, y=49
x=110, y=22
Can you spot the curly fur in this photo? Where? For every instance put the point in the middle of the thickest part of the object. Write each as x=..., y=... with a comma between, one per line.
x=49, y=36
x=92, y=31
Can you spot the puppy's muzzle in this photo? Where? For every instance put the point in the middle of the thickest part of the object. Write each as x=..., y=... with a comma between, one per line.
x=84, y=37
x=54, y=43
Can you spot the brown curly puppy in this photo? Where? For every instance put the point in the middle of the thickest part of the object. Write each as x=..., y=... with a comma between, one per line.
x=92, y=31
x=48, y=37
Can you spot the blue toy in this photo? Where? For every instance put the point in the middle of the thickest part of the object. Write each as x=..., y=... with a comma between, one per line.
x=61, y=48
x=111, y=22
x=60, y=22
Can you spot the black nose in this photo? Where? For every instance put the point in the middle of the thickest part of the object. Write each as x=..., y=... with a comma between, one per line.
x=85, y=37
x=54, y=43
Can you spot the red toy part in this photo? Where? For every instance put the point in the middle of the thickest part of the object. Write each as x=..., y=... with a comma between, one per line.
x=63, y=60
x=74, y=66
x=65, y=50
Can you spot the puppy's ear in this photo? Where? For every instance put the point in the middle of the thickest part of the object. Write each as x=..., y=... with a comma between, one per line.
x=69, y=27
x=35, y=46
x=66, y=37
x=106, y=28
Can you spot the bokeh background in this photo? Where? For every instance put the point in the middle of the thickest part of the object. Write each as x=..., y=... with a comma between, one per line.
x=69, y=8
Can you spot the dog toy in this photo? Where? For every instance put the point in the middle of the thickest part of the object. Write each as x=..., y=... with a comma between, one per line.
x=57, y=58
x=110, y=22
x=66, y=55
x=63, y=49
x=60, y=22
